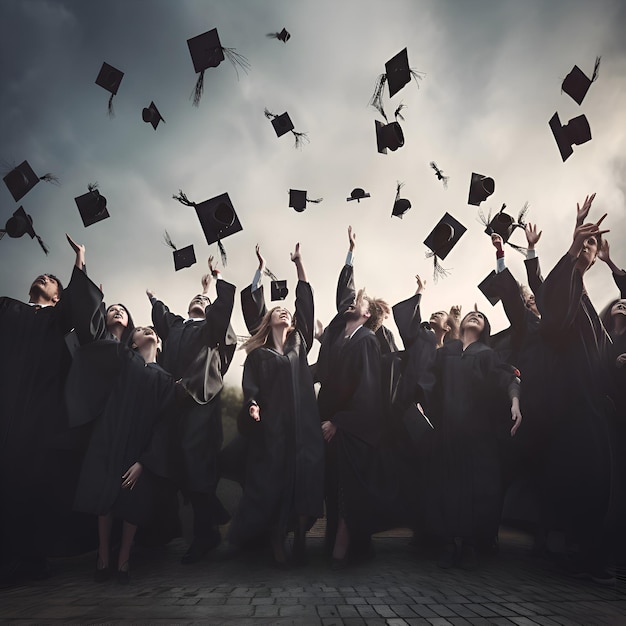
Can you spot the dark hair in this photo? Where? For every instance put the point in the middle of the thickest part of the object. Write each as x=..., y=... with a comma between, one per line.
x=59, y=283
x=128, y=331
x=485, y=335
x=605, y=315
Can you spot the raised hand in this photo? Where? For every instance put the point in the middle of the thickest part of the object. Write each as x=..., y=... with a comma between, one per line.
x=295, y=255
x=583, y=232
x=149, y=293
x=79, y=249
x=421, y=284
x=604, y=252
x=206, y=281
x=259, y=256
x=532, y=236
x=351, y=238
x=582, y=212
x=255, y=412
x=497, y=241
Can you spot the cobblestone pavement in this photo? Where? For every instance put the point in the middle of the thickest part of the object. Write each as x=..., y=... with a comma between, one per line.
x=395, y=588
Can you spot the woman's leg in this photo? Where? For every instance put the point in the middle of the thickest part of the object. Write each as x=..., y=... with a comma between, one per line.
x=104, y=538
x=128, y=535
x=342, y=540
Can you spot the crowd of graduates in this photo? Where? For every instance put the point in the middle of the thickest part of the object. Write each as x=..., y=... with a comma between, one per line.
x=102, y=422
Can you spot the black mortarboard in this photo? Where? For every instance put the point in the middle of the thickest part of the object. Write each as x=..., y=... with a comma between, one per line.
x=443, y=237
x=298, y=200
x=358, y=194
x=488, y=289
x=110, y=78
x=151, y=115
x=388, y=136
x=283, y=35
x=575, y=132
x=576, y=84
x=400, y=205
x=481, y=187
x=282, y=124
x=278, y=290
x=218, y=218
x=21, y=179
x=92, y=206
x=206, y=51
x=21, y=224
x=504, y=224
x=183, y=257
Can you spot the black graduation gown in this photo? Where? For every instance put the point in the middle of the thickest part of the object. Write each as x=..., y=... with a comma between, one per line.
x=129, y=426
x=33, y=419
x=285, y=449
x=462, y=488
x=199, y=353
x=579, y=470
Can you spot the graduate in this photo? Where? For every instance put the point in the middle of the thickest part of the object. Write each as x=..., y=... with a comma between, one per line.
x=198, y=351
x=284, y=481
x=462, y=486
x=33, y=421
x=350, y=405
x=128, y=445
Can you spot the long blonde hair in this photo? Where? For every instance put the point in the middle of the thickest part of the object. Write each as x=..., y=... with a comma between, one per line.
x=263, y=335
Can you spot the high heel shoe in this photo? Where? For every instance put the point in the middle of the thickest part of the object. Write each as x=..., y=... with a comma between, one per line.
x=123, y=574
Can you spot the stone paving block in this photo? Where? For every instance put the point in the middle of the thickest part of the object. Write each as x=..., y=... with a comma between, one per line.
x=327, y=611
x=458, y=621
x=266, y=611
x=355, y=600
x=442, y=610
x=297, y=610
x=423, y=610
x=482, y=610
x=332, y=621
x=259, y=600
x=522, y=620
x=462, y=610
x=396, y=621
x=504, y=609
x=417, y=621
x=354, y=621
x=347, y=610
x=383, y=610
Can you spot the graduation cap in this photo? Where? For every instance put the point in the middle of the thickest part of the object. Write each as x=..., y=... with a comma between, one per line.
x=400, y=205
x=183, y=257
x=151, y=115
x=504, y=224
x=481, y=187
x=110, y=78
x=92, y=206
x=207, y=51
x=282, y=124
x=21, y=179
x=388, y=136
x=358, y=194
x=19, y=225
x=278, y=290
x=487, y=288
x=442, y=239
x=218, y=218
x=298, y=200
x=283, y=35
x=439, y=174
x=576, y=84
x=575, y=132
x=397, y=75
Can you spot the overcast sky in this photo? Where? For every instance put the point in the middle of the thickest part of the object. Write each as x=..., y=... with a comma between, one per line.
x=492, y=76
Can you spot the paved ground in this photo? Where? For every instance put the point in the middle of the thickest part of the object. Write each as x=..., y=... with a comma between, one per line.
x=395, y=588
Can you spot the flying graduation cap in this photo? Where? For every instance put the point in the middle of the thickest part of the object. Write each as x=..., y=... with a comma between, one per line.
x=397, y=75
x=183, y=257
x=575, y=132
x=92, y=206
x=110, y=78
x=443, y=237
x=439, y=174
x=278, y=288
x=400, y=205
x=151, y=115
x=283, y=35
x=481, y=187
x=19, y=225
x=357, y=194
x=207, y=51
x=489, y=289
x=390, y=135
x=282, y=124
x=218, y=219
x=21, y=179
x=504, y=224
x=576, y=84
x=298, y=200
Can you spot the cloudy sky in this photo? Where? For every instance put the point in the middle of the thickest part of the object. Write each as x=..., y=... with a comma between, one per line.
x=492, y=76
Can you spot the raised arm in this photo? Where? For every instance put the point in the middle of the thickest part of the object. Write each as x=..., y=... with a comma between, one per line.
x=346, y=292
x=407, y=314
x=162, y=318
x=253, y=299
x=304, y=318
x=533, y=269
x=619, y=275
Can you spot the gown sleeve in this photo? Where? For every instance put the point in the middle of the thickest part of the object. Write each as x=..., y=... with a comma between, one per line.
x=561, y=296
x=620, y=281
x=305, y=313
x=346, y=293
x=163, y=320
x=253, y=307
x=533, y=274
x=407, y=316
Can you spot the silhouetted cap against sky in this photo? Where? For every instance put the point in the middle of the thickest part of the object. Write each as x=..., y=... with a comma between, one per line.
x=481, y=187
x=278, y=290
x=576, y=84
x=21, y=179
x=92, y=206
x=151, y=115
x=574, y=133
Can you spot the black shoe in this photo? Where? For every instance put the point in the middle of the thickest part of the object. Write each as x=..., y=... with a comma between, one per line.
x=200, y=547
x=123, y=574
x=101, y=574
